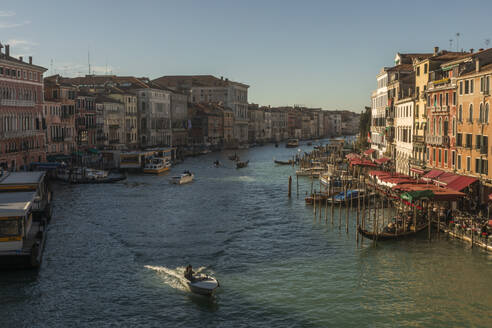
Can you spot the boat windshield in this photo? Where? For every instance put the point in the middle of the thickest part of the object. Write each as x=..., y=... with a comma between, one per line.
x=10, y=227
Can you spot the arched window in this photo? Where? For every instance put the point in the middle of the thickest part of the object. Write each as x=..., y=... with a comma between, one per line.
x=480, y=113
x=486, y=116
x=470, y=114
x=434, y=126
x=445, y=127
x=460, y=113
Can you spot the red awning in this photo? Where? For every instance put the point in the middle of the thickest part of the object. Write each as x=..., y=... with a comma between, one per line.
x=432, y=174
x=460, y=183
x=418, y=171
x=369, y=151
x=382, y=160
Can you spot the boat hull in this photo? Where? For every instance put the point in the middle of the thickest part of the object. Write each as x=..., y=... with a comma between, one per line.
x=390, y=236
x=206, y=286
x=156, y=171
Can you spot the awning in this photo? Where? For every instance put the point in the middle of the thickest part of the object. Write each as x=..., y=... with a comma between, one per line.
x=461, y=183
x=369, y=151
x=418, y=171
x=417, y=194
x=382, y=160
x=432, y=174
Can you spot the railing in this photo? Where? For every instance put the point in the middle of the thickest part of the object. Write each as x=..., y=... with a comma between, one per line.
x=433, y=140
x=418, y=139
x=17, y=103
x=417, y=162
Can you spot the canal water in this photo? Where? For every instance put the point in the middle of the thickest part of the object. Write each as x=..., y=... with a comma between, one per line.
x=115, y=255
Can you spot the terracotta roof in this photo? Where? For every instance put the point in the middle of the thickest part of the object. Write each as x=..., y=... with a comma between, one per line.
x=401, y=67
x=17, y=61
x=188, y=81
x=483, y=70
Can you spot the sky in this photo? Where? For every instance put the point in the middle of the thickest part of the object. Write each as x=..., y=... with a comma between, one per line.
x=312, y=53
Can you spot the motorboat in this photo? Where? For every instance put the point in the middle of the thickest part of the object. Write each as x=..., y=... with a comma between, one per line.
x=292, y=143
x=240, y=165
x=310, y=171
x=202, y=284
x=186, y=177
x=157, y=165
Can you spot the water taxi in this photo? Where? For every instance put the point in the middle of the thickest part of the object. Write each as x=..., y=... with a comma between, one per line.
x=157, y=165
x=186, y=177
x=292, y=143
x=29, y=181
x=22, y=238
x=310, y=171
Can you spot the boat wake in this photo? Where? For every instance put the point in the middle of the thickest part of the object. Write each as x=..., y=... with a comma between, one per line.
x=174, y=277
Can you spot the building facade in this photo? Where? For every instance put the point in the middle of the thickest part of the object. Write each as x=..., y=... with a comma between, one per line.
x=404, y=118
x=22, y=132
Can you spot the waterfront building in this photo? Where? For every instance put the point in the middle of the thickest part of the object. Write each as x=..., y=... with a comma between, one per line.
x=473, y=118
x=452, y=118
x=85, y=121
x=60, y=129
x=113, y=122
x=379, y=101
x=207, y=125
x=130, y=126
x=22, y=134
x=279, y=124
x=208, y=88
x=256, y=131
x=268, y=124
x=401, y=81
x=179, y=119
x=422, y=67
x=404, y=118
x=228, y=125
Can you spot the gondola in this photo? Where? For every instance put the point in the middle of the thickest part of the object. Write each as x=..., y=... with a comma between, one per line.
x=390, y=235
x=240, y=165
x=283, y=162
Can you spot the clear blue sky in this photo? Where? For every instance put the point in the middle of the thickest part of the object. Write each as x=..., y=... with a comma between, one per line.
x=314, y=53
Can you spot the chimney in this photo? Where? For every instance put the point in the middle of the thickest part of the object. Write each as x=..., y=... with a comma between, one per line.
x=471, y=50
x=436, y=50
x=222, y=78
x=20, y=58
x=30, y=60
x=7, y=50
x=481, y=49
x=477, y=65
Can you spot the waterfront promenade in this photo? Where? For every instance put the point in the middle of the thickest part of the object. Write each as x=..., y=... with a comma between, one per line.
x=114, y=252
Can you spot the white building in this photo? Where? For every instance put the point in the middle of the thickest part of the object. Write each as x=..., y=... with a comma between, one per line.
x=379, y=99
x=404, y=111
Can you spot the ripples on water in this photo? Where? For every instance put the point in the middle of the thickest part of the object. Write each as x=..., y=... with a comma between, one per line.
x=115, y=256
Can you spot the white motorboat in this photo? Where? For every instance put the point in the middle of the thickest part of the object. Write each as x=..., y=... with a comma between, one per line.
x=202, y=284
x=186, y=177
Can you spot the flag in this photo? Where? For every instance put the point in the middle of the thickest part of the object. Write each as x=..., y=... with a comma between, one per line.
x=368, y=136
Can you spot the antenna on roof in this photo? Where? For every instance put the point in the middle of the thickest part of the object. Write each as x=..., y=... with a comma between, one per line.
x=89, y=60
x=457, y=41
x=451, y=44
x=51, y=66
x=487, y=42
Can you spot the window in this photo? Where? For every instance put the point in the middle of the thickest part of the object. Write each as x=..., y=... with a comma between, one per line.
x=447, y=99
x=439, y=156
x=478, y=139
x=440, y=126
x=440, y=100
x=425, y=68
x=418, y=70
x=428, y=152
x=453, y=158
x=471, y=86
x=468, y=163
x=486, y=114
x=446, y=157
x=459, y=162
x=460, y=113
x=470, y=113
x=485, y=166
x=467, y=87
x=469, y=137
x=477, y=165
x=454, y=98
x=485, y=145
x=416, y=110
x=434, y=155
x=482, y=84
x=461, y=88
x=445, y=127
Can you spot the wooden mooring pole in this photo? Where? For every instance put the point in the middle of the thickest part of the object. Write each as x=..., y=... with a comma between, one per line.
x=290, y=185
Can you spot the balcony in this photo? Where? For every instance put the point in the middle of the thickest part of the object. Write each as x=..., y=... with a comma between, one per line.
x=17, y=103
x=434, y=140
x=418, y=139
x=417, y=162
